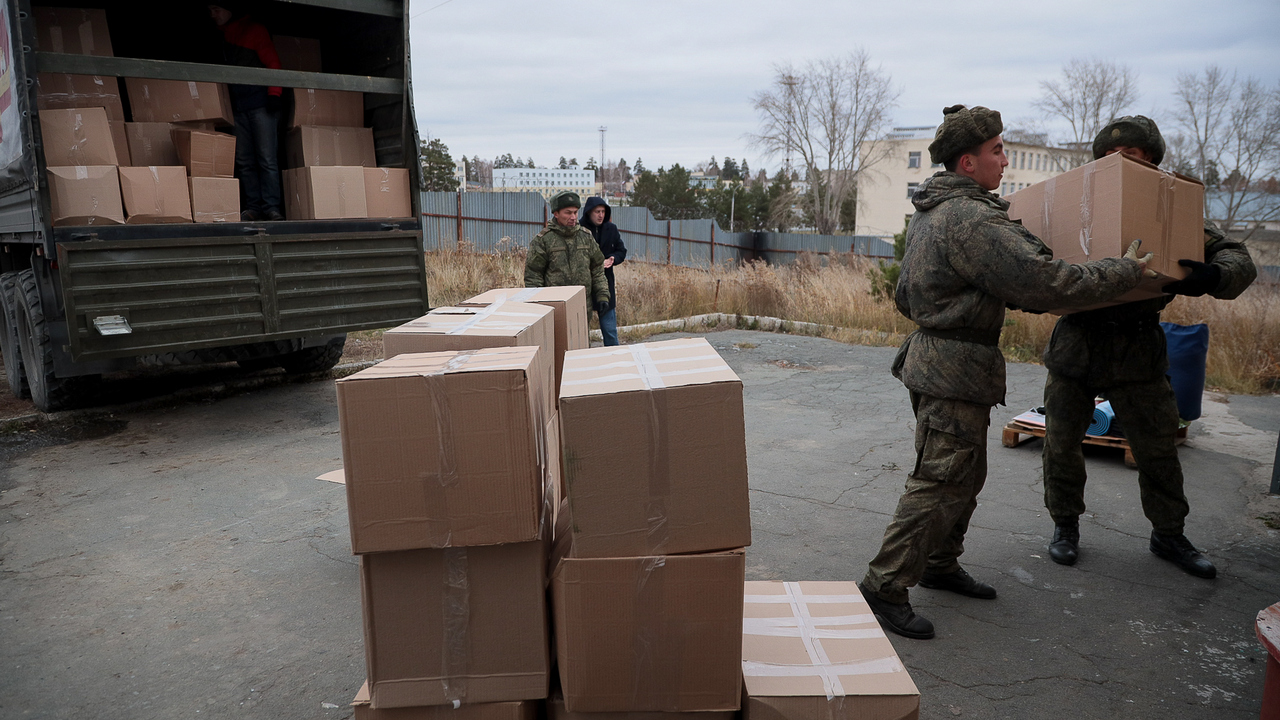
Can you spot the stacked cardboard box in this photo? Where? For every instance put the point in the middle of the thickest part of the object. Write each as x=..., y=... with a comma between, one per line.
x=648, y=570
x=80, y=157
x=569, y=303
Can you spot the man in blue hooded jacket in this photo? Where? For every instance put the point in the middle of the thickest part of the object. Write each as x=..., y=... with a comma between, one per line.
x=595, y=217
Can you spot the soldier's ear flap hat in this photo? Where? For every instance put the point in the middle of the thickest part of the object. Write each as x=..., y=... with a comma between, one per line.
x=961, y=129
x=565, y=199
x=1135, y=131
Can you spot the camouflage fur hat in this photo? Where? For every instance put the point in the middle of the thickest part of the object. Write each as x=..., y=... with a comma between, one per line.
x=562, y=200
x=961, y=129
x=1130, y=131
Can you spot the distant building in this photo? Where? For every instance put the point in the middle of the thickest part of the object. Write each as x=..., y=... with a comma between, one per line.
x=1253, y=210
x=885, y=190
x=547, y=181
x=702, y=180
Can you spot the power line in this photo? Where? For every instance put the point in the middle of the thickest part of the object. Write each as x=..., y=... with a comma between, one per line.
x=433, y=7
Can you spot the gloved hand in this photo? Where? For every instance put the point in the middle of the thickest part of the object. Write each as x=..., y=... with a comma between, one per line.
x=274, y=104
x=1204, y=278
x=602, y=307
x=1132, y=254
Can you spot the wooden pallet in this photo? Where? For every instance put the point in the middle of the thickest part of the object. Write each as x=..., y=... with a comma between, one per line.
x=1014, y=431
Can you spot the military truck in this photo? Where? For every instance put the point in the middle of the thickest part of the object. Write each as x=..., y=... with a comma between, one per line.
x=78, y=301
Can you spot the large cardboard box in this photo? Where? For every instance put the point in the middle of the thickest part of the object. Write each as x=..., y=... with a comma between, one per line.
x=1096, y=210
x=150, y=143
x=215, y=200
x=464, y=623
x=324, y=193
x=814, y=651
x=386, y=192
x=74, y=31
x=569, y=303
x=155, y=194
x=119, y=141
x=312, y=145
x=85, y=195
x=205, y=154
x=445, y=449
x=302, y=54
x=335, y=108
x=557, y=711
x=651, y=634
x=178, y=100
x=77, y=136
x=363, y=709
x=678, y=483
x=57, y=91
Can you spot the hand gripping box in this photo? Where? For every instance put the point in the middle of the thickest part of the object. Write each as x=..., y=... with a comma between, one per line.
x=465, y=624
x=155, y=194
x=445, y=449
x=570, y=305
x=1096, y=210
x=814, y=651
x=676, y=481
x=362, y=709
x=77, y=136
x=649, y=634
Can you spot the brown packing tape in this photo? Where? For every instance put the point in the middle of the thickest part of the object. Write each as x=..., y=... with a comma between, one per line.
x=195, y=99
x=85, y=30
x=456, y=646
x=1164, y=210
x=158, y=194
x=342, y=196
x=1050, y=186
x=1086, y=212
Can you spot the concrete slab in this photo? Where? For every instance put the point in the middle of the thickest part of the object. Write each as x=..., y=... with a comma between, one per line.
x=183, y=561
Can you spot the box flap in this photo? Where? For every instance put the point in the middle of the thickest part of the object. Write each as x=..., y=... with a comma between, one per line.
x=646, y=366
x=449, y=361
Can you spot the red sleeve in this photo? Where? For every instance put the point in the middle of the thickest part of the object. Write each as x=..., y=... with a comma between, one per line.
x=259, y=40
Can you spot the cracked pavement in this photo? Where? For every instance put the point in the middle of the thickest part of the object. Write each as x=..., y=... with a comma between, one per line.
x=183, y=561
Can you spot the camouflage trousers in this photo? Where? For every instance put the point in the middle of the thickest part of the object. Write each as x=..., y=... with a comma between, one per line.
x=928, y=528
x=1148, y=412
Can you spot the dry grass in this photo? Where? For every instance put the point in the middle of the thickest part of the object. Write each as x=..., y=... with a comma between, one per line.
x=1243, y=352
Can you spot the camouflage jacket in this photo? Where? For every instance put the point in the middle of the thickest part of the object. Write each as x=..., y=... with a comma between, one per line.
x=965, y=261
x=566, y=256
x=1124, y=343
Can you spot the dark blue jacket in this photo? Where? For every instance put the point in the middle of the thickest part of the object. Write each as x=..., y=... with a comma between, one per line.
x=608, y=238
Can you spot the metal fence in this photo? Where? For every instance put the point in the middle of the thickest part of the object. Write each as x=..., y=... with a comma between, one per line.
x=487, y=222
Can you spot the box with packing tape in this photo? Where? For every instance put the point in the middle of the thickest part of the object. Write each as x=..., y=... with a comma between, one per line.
x=311, y=145
x=523, y=710
x=151, y=143
x=205, y=154
x=77, y=136
x=178, y=101
x=155, y=194
x=465, y=624
x=1096, y=210
x=57, y=91
x=679, y=484
x=215, y=200
x=446, y=449
x=569, y=304
x=324, y=193
x=75, y=31
x=814, y=651
x=556, y=711
x=386, y=192
x=333, y=108
x=85, y=195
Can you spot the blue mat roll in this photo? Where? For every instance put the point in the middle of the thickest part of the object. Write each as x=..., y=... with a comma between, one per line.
x=1103, y=416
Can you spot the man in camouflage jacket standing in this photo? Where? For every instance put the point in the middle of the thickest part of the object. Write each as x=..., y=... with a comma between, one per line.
x=565, y=253
x=1119, y=351
x=965, y=261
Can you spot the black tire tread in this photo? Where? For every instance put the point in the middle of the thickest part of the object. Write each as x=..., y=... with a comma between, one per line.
x=49, y=392
x=9, y=346
x=314, y=359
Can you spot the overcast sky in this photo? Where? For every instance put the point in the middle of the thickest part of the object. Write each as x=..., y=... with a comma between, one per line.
x=673, y=80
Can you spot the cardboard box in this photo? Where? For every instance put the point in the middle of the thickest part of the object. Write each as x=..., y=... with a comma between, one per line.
x=556, y=711
x=205, y=154
x=312, y=145
x=523, y=710
x=302, y=54
x=77, y=136
x=58, y=91
x=679, y=482
x=119, y=141
x=334, y=108
x=155, y=194
x=445, y=449
x=814, y=651
x=324, y=193
x=386, y=192
x=466, y=623
x=85, y=195
x=178, y=100
x=214, y=200
x=150, y=143
x=74, y=31
x=650, y=634
x=570, y=306
x=1096, y=210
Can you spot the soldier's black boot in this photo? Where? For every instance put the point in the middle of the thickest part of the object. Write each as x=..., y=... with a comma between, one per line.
x=898, y=617
x=1178, y=550
x=1065, y=547
x=960, y=582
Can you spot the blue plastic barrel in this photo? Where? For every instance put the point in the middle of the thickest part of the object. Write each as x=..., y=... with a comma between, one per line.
x=1188, y=350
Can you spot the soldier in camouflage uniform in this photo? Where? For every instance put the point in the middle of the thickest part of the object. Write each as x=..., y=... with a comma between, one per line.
x=1119, y=352
x=965, y=261
x=567, y=254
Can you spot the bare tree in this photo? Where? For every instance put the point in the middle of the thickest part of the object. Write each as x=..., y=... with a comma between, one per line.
x=830, y=115
x=1090, y=94
x=1232, y=142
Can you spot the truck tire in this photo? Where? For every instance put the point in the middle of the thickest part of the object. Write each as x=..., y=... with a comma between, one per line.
x=49, y=392
x=314, y=359
x=13, y=369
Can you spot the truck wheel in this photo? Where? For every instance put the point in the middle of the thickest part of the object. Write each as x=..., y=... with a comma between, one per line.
x=314, y=359
x=9, y=336
x=49, y=392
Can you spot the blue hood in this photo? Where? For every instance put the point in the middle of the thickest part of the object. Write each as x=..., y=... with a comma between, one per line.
x=593, y=202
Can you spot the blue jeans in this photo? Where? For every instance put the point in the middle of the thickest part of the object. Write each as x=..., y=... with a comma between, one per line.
x=257, y=147
x=609, y=326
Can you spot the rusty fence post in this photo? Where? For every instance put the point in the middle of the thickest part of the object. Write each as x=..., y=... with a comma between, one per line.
x=459, y=206
x=713, y=243
x=668, y=242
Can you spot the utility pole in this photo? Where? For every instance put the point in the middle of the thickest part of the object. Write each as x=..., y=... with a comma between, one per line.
x=603, y=189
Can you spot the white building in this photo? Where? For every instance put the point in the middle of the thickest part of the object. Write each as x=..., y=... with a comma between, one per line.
x=885, y=190
x=547, y=181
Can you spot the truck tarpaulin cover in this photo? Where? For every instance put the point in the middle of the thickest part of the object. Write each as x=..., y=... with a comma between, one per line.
x=11, y=141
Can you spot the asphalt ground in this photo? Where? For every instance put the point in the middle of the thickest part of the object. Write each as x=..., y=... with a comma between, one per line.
x=178, y=558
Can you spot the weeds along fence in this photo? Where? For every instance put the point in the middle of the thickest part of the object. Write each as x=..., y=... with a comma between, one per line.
x=487, y=222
